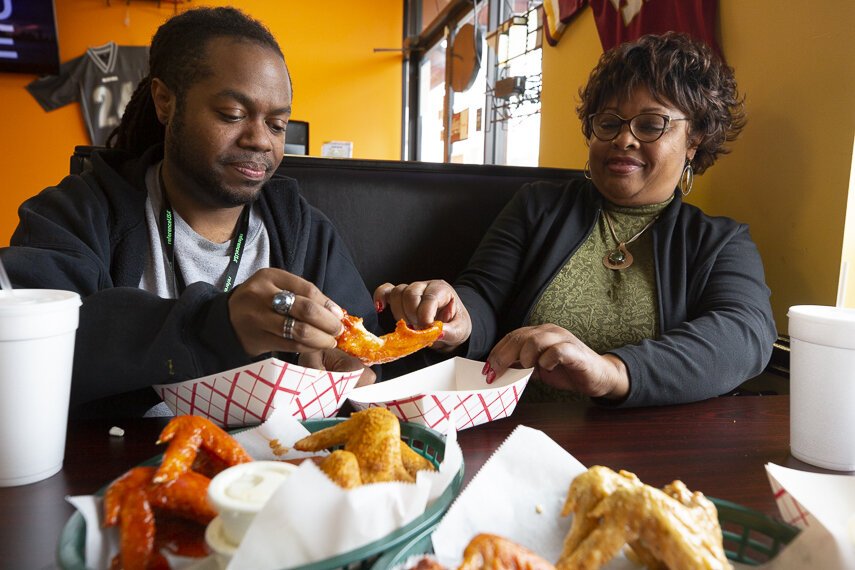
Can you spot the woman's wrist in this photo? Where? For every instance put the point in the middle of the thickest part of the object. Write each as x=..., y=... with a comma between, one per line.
x=618, y=378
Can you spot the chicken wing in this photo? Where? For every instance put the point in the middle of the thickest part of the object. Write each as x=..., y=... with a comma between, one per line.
x=373, y=436
x=491, y=552
x=343, y=468
x=132, y=500
x=358, y=341
x=671, y=528
x=186, y=435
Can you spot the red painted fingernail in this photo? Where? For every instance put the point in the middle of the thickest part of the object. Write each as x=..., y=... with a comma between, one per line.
x=379, y=306
x=491, y=376
x=486, y=368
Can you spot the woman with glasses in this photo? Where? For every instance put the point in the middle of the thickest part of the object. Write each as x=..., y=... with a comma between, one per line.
x=611, y=286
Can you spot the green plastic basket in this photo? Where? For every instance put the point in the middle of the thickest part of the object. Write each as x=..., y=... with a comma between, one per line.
x=749, y=537
x=427, y=442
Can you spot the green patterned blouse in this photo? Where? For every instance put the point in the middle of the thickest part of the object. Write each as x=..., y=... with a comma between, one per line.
x=604, y=308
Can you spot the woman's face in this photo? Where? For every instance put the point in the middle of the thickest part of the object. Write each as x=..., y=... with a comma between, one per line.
x=633, y=173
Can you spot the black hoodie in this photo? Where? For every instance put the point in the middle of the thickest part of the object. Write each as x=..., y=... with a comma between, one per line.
x=89, y=235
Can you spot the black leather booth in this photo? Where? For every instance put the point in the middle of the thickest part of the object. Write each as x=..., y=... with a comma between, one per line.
x=407, y=221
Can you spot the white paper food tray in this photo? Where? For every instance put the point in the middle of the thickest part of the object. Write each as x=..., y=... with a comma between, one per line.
x=247, y=395
x=430, y=395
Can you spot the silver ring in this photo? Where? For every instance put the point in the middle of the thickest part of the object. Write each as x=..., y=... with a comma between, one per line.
x=283, y=301
x=288, y=328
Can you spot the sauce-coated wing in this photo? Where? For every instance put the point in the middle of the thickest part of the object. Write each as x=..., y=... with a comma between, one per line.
x=491, y=552
x=358, y=341
x=186, y=435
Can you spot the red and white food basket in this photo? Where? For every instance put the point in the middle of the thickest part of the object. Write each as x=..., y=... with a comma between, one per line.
x=248, y=395
x=456, y=386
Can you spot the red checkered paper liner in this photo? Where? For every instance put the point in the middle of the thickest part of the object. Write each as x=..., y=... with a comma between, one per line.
x=454, y=389
x=791, y=510
x=808, y=499
x=247, y=395
x=823, y=506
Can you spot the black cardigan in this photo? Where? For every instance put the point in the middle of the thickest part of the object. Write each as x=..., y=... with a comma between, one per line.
x=716, y=322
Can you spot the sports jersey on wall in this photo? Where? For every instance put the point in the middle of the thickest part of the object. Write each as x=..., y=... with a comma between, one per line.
x=102, y=80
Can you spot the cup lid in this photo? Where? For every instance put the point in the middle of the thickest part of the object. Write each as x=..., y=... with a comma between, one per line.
x=36, y=301
x=821, y=324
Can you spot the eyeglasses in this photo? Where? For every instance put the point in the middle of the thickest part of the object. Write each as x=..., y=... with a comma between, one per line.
x=646, y=127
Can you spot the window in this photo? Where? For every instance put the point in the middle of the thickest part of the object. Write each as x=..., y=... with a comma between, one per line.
x=492, y=115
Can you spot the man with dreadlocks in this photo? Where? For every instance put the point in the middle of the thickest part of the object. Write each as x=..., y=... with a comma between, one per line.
x=182, y=208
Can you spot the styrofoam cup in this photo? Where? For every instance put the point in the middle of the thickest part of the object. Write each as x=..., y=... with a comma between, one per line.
x=37, y=328
x=822, y=386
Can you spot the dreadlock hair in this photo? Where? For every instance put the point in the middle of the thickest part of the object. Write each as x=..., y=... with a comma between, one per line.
x=177, y=57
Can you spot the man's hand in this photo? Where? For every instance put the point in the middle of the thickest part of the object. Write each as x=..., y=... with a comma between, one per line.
x=337, y=361
x=316, y=318
x=560, y=360
x=423, y=302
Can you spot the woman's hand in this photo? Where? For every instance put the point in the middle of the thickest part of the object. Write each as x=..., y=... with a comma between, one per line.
x=337, y=361
x=260, y=329
x=560, y=360
x=423, y=302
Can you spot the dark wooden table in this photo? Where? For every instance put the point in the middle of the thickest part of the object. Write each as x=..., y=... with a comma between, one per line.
x=719, y=447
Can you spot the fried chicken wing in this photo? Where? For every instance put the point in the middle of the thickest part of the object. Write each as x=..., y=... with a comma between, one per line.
x=491, y=552
x=186, y=435
x=358, y=341
x=186, y=497
x=114, y=496
x=413, y=462
x=587, y=490
x=343, y=468
x=136, y=530
x=126, y=504
x=670, y=528
x=373, y=436
x=132, y=500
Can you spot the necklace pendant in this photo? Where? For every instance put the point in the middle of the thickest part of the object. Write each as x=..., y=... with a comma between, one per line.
x=618, y=258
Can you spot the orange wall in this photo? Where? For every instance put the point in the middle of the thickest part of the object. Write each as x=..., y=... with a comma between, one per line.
x=344, y=89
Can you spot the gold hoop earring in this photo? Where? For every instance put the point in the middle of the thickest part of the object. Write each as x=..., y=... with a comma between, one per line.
x=587, y=171
x=687, y=178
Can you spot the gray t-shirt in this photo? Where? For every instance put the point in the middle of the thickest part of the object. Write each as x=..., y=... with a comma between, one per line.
x=198, y=258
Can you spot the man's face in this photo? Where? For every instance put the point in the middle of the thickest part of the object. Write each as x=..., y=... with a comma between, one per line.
x=226, y=135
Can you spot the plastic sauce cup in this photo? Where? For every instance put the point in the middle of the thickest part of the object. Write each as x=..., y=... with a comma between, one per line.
x=239, y=492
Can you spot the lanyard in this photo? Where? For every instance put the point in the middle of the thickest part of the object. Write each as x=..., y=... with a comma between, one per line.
x=167, y=236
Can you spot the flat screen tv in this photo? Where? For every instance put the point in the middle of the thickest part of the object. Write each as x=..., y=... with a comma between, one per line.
x=28, y=40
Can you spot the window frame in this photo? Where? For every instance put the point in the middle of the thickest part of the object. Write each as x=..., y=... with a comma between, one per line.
x=417, y=42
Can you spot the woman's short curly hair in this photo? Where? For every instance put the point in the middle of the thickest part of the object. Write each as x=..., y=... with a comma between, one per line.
x=679, y=71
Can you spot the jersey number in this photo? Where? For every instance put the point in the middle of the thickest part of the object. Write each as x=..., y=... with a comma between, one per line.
x=103, y=97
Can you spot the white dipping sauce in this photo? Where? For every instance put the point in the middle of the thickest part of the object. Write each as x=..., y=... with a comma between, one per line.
x=239, y=492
